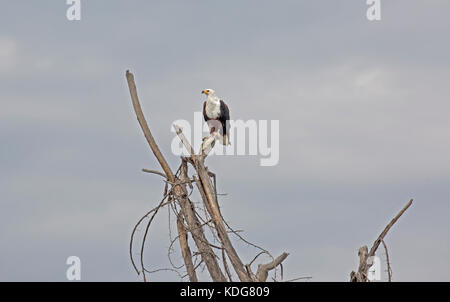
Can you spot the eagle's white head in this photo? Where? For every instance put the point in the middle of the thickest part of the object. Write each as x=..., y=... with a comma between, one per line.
x=210, y=95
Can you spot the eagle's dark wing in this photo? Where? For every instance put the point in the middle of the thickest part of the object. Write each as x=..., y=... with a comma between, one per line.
x=205, y=116
x=224, y=112
x=224, y=116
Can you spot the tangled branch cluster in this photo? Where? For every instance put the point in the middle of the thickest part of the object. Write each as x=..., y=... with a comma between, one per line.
x=174, y=210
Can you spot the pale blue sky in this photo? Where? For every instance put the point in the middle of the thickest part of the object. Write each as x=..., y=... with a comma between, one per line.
x=364, y=121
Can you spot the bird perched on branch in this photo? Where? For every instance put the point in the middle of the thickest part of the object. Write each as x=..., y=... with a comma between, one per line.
x=216, y=115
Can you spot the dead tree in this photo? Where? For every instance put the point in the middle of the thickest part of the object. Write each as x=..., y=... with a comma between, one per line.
x=366, y=256
x=188, y=220
x=190, y=223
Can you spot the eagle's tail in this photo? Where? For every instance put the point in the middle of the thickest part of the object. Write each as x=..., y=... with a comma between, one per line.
x=224, y=140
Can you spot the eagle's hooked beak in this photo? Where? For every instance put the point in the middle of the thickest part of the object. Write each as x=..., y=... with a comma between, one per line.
x=205, y=91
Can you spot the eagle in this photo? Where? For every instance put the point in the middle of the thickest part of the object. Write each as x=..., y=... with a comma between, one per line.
x=216, y=115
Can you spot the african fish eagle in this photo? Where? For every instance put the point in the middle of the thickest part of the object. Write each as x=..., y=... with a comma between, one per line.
x=216, y=115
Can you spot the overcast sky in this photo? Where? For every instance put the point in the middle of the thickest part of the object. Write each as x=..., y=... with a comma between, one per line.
x=364, y=126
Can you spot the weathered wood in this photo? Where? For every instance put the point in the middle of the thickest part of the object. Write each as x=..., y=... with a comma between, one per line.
x=363, y=268
x=218, y=222
x=388, y=264
x=144, y=126
x=185, y=250
x=154, y=172
x=263, y=269
x=200, y=240
x=183, y=139
x=225, y=266
x=198, y=235
x=387, y=228
x=208, y=144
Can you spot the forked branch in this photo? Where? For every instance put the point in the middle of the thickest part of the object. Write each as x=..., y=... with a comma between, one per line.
x=365, y=255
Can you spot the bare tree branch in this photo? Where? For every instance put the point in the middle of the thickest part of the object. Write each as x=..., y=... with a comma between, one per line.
x=299, y=278
x=144, y=126
x=263, y=269
x=387, y=228
x=388, y=264
x=364, y=254
x=135, y=228
x=184, y=140
x=145, y=237
x=155, y=172
x=185, y=250
x=225, y=266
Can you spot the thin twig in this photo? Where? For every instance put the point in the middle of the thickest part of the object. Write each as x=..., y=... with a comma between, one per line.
x=300, y=278
x=164, y=269
x=135, y=228
x=185, y=250
x=145, y=237
x=154, y=172
x=246, y=241
x=388, y=264
x=259, y=254
x=225, y=265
